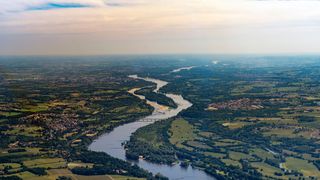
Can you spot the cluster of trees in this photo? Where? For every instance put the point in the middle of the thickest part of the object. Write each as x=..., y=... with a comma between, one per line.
x=11, y=178
x=105, y=164
x=162, y=154
x=157, y=149
x=38, y=171
x=306, y=119
x=317, y=164
x=138, y=146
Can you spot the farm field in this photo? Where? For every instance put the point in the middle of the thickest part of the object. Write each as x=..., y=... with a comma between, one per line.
x=249, y=120
x=56, y=173
x=51, y=111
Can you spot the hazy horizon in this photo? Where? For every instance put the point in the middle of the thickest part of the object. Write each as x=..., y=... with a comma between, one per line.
x=138, y=27
x=166, y=54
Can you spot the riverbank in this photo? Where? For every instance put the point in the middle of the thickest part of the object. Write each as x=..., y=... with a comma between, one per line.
x=111, y=143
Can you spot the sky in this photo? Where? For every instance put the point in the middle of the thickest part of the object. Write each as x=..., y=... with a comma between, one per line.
x=97, y=27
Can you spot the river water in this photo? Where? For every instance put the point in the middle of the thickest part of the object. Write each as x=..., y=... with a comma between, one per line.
x=111, y=142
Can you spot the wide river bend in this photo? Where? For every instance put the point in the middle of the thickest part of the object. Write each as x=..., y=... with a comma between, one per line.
x=111, y=142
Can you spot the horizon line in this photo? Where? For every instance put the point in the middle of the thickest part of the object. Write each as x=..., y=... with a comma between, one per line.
x=160, y=54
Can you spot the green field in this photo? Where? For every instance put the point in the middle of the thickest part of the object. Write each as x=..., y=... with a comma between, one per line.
x=267, y=169
x=55, y=173
x=230, y=162
x=46, y=163
x=266, y=114
x=238, y=156
x=13, y=165
x=303, y=166
x=181, y=131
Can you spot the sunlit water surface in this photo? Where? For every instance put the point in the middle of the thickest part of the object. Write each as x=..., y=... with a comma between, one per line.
x=111, y=143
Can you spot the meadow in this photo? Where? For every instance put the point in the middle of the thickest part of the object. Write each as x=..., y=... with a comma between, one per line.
x=264, y=123
x=251, y=117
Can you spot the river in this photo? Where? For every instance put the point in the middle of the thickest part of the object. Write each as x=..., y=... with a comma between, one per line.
x=111, y=142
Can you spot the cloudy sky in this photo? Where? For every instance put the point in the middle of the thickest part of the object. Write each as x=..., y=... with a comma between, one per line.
x=85, y=27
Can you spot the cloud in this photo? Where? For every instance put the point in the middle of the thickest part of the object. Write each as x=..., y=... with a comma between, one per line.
x=51, y=5
x=129, y=25
x=16, y=6
x=126, y=3
x=117, y=4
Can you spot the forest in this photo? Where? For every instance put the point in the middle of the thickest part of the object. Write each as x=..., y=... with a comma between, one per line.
x=252, y=117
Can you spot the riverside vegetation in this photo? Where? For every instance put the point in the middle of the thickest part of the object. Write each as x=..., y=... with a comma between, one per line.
x=52, y=108
x=252, y=116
